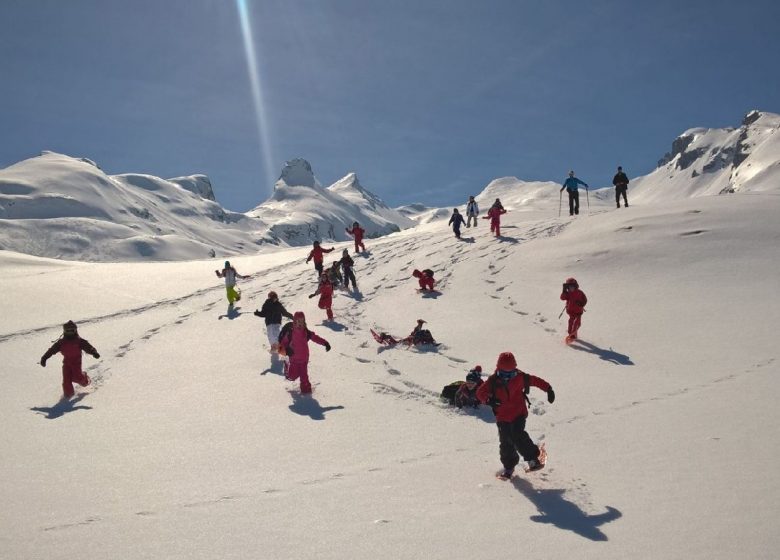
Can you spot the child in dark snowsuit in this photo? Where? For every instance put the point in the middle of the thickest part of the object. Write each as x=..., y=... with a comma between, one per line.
x=467, y=393
x=505, y=391
x=456, y=221
x=424, y=278
x=420, y=335
x=273, y=311
x=295, y=343
x=325, y=291
x=575, y=306
x=346, y=264
x=317, y=254
x=334, y=274
x=358, y=232
x=70, y=345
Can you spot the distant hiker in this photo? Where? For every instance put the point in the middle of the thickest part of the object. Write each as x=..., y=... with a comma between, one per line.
x=334, y=274
x=70, y=345
x=346, y=264
x=424, y=278
x=494, y=215
x=317, y=254
x=575, y=306
x=229, y=274
x=358, y=233
x=420, y=335
x=325, y=291
x=505, y=391
x=472, y=211
x=571, y=184
x=620, y=180
x=456, y=221
x=273, y=311
x=467, y=393
x=295, y=345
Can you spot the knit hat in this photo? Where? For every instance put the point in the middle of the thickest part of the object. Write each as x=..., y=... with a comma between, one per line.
x=478, y=368
x=272, y=295
x=299, y=315
x=69, y=328
x=506, y=361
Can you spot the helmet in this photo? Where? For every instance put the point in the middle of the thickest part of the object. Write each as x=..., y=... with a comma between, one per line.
x=69, y=329
x=473, y=377
x=572, y=282
x=272, y=295
x=227, y=264
x=506, y=361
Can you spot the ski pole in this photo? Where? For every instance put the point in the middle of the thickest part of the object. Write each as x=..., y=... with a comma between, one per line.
x=560, y=202
x=561, y=313
x=588, y=199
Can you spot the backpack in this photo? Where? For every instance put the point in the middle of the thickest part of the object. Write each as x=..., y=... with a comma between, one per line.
x=423, y=336
x=287, y=329
x=449, y=391
x=429, y=272
x=526, y=386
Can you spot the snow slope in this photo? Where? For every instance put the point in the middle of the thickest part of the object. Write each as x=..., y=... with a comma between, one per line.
x=662, y=439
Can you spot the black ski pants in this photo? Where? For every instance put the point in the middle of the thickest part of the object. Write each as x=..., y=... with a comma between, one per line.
x=514, y=441
x=574, y=202
x=621, y=189
x=349, y=275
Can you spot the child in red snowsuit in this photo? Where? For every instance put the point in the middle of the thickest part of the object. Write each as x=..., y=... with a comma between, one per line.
x=358, y=232
x=505, y=391
x=424, y=278
x=494, y=215
x=70, y=345
x=325, y=291
x=296, y=347
x=317, y=254
x=575, y=306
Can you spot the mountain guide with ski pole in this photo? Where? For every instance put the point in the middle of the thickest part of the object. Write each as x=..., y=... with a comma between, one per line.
x=571, y=184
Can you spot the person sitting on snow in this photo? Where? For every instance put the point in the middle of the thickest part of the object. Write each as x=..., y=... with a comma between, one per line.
x=467, y=393
x=424, y=278
x=420, y=335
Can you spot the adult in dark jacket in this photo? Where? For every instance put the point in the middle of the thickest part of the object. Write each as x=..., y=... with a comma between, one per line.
x=273, y=311
x=620, y=180
x=505, y=392
x=70, y=345
x=456, y=221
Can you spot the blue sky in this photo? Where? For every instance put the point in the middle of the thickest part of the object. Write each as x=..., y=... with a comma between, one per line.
x=427, y=100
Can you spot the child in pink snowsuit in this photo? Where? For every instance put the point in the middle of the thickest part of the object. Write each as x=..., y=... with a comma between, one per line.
x=424, y=278
x=494, y=215
x=71, y=346
x=325, y=291
x=358, y=232
x=575, y=306
x=296, y=345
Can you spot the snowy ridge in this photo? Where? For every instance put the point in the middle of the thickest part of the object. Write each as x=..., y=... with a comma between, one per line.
x=711, y=161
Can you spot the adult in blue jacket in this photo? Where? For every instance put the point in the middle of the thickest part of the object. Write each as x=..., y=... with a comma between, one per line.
x=571, y=184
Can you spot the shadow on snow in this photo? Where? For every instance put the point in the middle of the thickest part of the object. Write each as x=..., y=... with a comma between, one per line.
x=607, y=355
x=556, y=510
x=232, y=313
x=307, y=405
x=61, y=408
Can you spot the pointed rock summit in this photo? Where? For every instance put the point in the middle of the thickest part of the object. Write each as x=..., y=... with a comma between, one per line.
x=297, y=173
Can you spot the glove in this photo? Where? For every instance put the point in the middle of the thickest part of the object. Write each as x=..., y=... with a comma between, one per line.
x=96, y=355
x=311, y=296
x=43, y=362
x=257, y=313
x=494, y=402
x=289, y=351
x=550, y=395
x=327, y=347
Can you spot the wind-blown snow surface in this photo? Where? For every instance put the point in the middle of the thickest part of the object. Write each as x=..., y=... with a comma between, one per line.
x=662, y=440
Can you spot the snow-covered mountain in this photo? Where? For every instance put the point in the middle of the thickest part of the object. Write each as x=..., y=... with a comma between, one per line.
x=711, y=161
x=63, y=207
x=300, y=210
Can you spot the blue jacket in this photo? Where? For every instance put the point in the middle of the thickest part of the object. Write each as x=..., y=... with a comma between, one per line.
x=570, y=184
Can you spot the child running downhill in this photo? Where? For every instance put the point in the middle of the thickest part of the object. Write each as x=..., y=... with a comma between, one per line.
x=230, y=274
x=325, y=291
x=296, y=347
x=575, y=306
x=70, y=345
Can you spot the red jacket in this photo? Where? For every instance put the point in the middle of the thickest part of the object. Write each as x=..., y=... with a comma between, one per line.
x=495, y=214
x=575, y=301
x=511, y=395
x=357, y=232
x=325, y=290
x=71, y=349
x=317, y=254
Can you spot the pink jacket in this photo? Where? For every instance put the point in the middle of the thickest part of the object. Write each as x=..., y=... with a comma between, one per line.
x=494, y=214
x=298, y=340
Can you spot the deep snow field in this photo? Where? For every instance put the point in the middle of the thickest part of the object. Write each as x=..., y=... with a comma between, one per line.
x=662, y=441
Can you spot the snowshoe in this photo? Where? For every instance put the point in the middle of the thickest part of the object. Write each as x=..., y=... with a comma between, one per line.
x=505, y=474
x=538, y=463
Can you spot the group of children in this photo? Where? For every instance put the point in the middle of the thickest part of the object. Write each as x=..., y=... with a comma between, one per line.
x=472, y=212
x=505, y=390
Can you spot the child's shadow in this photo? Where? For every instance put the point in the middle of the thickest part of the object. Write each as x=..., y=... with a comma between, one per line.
x=335, y=326
x=356, y=295
x=276, y=367
x=606, y=355
x=507, y=239
x=62, y=407
x=556, y=510
x=466, y=239
x=307, y=405
x=431, y=294
x=232, y=313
